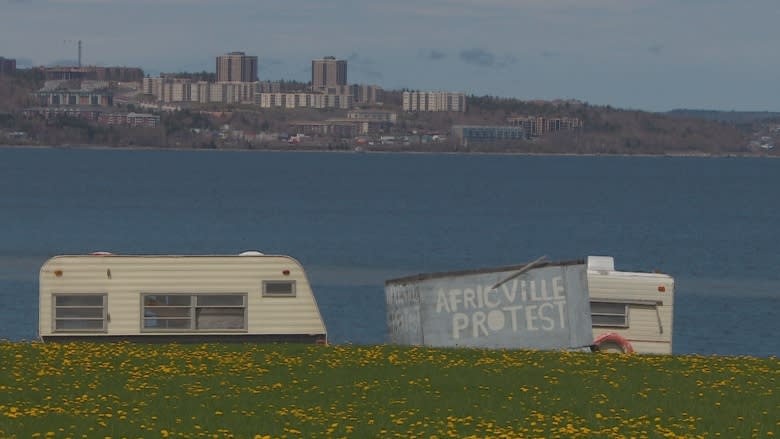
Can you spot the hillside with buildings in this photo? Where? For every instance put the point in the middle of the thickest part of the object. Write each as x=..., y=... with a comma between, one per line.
x=232, y=108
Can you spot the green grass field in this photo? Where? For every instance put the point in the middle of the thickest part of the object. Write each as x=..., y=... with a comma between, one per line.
x=83, y=390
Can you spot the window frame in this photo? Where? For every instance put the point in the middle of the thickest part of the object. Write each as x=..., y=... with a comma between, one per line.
x=103, y=318
x=624, y=314
x=193, y=308
x=293, y=288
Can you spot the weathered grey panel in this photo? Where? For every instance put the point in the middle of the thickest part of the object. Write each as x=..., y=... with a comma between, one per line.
x=544, y=308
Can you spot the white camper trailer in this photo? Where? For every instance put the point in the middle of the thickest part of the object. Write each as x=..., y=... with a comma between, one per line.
x=630, y=311
x=247, y=297
x=627, y=312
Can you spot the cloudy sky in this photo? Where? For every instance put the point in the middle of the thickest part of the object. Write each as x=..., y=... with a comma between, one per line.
x=652, y=55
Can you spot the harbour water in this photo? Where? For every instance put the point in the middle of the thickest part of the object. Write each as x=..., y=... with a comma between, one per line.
x=355, y=220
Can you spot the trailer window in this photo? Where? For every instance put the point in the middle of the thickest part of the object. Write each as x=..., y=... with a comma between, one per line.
x=80, y=312
x=220, y=312
x=279, y=288
x=609, y=314
x=194, y=312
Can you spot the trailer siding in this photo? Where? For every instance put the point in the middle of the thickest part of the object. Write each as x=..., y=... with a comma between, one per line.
x=125, y=278
x=649, y=327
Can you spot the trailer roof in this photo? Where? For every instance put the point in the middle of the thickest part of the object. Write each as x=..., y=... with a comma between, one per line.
x=436, y=275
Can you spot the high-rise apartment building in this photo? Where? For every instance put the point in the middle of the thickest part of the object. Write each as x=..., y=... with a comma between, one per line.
x=7, y=66
x=328, y=72
x=236, y=67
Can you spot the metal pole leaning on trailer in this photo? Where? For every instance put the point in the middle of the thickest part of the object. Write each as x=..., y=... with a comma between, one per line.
x=522, y=270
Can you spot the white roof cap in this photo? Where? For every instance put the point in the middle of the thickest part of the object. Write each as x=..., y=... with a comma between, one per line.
x=250, y=253
x=601, y=263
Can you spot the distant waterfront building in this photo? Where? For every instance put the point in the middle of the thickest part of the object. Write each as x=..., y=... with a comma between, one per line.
x=373, y=121
x=328, y=72
x=169, y=89
x=283, y=87
x=362, y=94
x=89, y=113
x=95, y=114
x=471, y=134
x=134, y=120
x=60, y=93
x=67, y=73
x=537, y=126
x=7, y=66
x=332, y=127
x=303, y=100
x=368, y=94
x=284, y=100
x=270, y=87
x=236, y=67
x=119, y=74
x=114, y=74
x=373, y=116
x=236, y=93
x=434, y=101
x=151, y=86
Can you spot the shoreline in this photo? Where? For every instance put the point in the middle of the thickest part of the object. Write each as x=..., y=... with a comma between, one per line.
x=388, y=151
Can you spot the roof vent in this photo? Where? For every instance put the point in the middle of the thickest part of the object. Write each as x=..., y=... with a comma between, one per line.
x=601, y=263
x=250, y=253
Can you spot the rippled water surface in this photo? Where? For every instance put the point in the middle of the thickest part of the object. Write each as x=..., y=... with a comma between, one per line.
x=354, y=220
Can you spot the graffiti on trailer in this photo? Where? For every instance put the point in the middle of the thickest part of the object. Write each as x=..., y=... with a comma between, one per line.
x=545, y=308
x=403, y=312
x=518, y=305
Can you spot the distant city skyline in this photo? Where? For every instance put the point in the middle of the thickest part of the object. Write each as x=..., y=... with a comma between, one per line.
x=655, y=56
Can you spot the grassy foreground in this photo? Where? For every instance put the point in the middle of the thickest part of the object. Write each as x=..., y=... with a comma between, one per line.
x=84, y=390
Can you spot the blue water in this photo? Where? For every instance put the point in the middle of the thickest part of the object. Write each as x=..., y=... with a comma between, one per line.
x=354, y=220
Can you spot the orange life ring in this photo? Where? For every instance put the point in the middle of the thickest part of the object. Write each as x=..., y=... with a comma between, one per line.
x=613, y=341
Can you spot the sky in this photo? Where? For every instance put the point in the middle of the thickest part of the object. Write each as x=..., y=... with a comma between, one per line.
x=652, y=55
